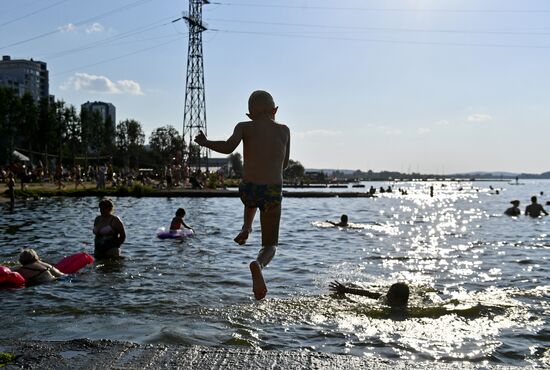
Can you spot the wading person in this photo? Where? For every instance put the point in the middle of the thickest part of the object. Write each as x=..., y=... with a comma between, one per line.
x=266, y=146
x=514, y=210
x=109, y=232
x=534, y=209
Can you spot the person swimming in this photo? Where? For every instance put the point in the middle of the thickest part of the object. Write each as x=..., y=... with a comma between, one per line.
x=343, y=221
x=177, y=222
x=34, y=270
x=397, y=295
x=109, y=232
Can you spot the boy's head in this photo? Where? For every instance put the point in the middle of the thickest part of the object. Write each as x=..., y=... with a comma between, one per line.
x=398, y=295
x=533, y=199
x=180, y=212
x=344, y=218
x=261, y=104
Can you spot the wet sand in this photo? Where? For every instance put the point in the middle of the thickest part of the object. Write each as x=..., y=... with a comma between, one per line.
x=106, y=354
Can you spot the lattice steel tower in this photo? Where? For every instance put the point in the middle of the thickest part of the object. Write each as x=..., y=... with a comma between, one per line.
x=194, y=116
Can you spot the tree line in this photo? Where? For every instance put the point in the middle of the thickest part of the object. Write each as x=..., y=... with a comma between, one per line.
x=49, y=129
x=45, y=129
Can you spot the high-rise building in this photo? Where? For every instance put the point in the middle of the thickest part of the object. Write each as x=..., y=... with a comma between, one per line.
x=105, y=110
x=25, y=76
x=107, y=113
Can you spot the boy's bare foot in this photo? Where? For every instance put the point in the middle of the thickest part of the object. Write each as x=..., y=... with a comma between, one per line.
x=258, y=283
x=242, y=237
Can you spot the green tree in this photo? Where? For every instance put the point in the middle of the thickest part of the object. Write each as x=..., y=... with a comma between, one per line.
x=73, y=131
x=46, y=128
x=93, y=132
x=129, y=141
x=236, y=162
x=28, y=123
x=9, y=110
x=294, y=171
x=166, y=142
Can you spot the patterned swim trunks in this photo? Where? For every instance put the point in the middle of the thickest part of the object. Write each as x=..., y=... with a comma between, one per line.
x=264, y=197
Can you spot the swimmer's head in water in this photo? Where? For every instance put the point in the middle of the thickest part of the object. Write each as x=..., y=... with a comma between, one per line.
x=261, y=103
x=398, y=294
x=180, y=212
x=515, y=202
x=344, y=218
x=534, y=199
x=28, y=256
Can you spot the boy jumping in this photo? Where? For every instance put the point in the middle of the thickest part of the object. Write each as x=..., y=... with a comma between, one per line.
x=266, y=146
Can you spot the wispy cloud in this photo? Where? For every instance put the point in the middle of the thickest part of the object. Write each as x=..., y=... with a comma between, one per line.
x=94, y=28
x=423, y=131
x=480, y=117
x=317, y=133
x=69, y=27
x=386, y=130
x=101, y=85
x=442, y=122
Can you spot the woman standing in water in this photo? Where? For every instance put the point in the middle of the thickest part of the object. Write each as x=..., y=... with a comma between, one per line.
x=109, y=232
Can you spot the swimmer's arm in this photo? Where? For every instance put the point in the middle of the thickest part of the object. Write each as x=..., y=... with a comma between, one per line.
x=185, y=225
x=55, y=272
x=224, y=147
x=544, y=211
x=337, y=287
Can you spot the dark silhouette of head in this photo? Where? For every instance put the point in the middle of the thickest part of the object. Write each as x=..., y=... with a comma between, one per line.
x=533, y=199
x=398, y=295
x=180, y=212
x=344, y=219
x=261, y=105
x=28, y=256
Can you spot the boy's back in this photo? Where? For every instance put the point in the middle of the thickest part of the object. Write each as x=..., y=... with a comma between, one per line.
x=265, y=146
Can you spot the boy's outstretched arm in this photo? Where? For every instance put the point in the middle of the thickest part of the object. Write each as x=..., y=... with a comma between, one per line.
x=224, y=147
x=337, y=287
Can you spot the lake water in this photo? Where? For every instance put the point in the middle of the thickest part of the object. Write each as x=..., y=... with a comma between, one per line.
x=480, y=281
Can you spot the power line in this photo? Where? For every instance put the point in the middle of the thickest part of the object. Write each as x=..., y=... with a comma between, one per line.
x=108, y=40
x=396, y=10
x=94, y=18
x=19, y=6
x=32, y=13
x=355, y=28
x=403, y=42
x=120, y=56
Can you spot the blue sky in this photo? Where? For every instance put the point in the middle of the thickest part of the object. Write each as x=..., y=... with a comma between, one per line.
x=429, y=86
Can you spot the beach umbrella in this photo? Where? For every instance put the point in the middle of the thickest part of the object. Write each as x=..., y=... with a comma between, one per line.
x=20, y=156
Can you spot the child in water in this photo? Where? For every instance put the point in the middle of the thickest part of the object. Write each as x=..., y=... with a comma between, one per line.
x=397, y=295
x=177, y=222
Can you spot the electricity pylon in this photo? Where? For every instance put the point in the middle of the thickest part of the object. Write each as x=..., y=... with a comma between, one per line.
x=194, y=116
